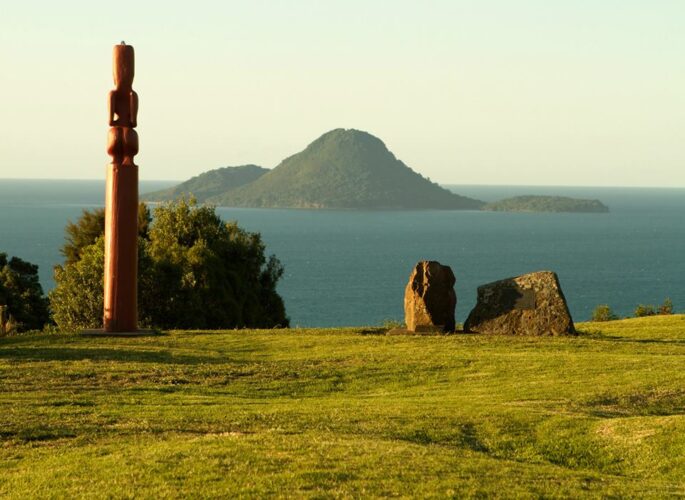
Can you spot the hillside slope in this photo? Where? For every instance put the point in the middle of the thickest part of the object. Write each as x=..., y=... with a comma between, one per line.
x=211, y=183
x=344, y=169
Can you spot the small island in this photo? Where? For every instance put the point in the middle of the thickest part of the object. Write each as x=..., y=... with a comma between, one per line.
x=532, y=203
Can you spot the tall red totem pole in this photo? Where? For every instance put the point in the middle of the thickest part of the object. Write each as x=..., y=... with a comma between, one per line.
x=121, y=200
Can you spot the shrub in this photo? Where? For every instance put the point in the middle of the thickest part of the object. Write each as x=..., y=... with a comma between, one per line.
x=391, y=324
x=25, y=306
x=603, y=313
x=644, y=310
x=77, y=300
x=7, y=324
x=194, y=271
x=667, y=307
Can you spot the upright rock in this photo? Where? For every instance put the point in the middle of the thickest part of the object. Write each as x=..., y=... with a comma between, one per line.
x=532, y=304
x=429, y=299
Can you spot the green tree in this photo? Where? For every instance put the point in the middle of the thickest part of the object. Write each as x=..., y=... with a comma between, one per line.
x=195, y=271
x=26, y=308
x=77, y=300
x=90, y=226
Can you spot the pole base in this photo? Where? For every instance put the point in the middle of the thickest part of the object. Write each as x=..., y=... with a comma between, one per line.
x=100, y=332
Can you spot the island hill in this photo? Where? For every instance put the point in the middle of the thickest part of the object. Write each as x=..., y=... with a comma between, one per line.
x=342, y=169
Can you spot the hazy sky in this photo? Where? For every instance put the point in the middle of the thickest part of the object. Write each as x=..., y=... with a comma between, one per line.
x=582, y=92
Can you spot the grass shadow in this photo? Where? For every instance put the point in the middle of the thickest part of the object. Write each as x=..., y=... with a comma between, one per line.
x=650, y=402
x=104, y=354
x=628, y=340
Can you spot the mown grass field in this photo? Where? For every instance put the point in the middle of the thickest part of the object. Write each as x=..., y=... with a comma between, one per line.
x=345, y=413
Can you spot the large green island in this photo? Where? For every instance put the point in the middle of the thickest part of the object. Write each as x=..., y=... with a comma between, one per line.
x=346, y=169
x=532, y=203
x=342, y=169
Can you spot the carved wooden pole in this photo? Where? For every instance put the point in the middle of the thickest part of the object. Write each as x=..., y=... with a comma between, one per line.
x=121, y=200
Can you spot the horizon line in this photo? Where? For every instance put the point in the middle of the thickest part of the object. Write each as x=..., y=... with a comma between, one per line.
x=614, y=186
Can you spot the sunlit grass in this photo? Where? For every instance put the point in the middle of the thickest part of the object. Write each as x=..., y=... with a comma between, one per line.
x=346, y=412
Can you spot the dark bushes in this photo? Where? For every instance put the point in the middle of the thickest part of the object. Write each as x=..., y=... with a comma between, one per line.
x=23, y=305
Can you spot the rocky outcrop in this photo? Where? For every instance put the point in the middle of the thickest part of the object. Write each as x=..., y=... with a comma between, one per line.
x=532, y=304
x=429, y=299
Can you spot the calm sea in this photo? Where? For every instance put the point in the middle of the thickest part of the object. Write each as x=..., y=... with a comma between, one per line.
x=350, y=267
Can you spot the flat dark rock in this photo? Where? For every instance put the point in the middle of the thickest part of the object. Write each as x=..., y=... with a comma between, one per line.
x=532, y=304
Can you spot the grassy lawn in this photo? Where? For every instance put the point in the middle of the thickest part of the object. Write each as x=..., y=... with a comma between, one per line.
x=345, y=413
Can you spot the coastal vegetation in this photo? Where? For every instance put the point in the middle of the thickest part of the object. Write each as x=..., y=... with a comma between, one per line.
x=535, y=203
x=195, y=271
x=346, y=413
x=603, y=313
x=650, y=310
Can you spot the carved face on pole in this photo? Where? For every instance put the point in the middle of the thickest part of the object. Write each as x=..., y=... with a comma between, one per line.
x=122, y=143
x=124, y=67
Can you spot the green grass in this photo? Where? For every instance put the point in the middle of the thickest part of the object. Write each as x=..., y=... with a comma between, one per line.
x=346, y=413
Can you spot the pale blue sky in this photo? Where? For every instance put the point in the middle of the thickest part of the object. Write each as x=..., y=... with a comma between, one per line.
x=467, y=92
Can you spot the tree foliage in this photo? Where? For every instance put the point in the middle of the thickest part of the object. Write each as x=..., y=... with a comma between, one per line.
x=22, y=295
x=195, y=271
x=90, y=226
x=77, y=300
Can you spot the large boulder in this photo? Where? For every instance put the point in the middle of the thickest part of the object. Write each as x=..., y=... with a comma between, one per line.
x=532, y=304
x=429, y=299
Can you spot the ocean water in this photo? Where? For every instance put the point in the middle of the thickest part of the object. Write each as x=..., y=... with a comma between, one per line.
x=350, y=267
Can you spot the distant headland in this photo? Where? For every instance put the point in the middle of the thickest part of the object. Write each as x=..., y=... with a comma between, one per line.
x=342, y=169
